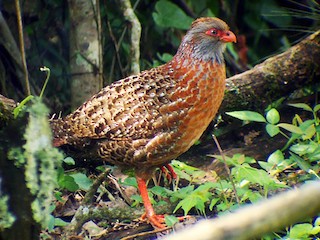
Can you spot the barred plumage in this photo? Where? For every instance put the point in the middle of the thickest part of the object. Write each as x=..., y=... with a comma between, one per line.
x=146, y=120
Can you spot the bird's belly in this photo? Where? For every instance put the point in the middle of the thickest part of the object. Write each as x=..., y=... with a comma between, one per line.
x=194, y=113
x=201, y=114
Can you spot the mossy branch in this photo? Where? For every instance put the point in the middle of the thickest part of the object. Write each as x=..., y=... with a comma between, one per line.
x=276, y=77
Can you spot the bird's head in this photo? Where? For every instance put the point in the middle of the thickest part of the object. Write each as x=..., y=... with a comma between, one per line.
x=207, y=39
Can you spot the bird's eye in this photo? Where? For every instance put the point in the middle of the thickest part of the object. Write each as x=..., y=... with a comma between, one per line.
x=212, y=32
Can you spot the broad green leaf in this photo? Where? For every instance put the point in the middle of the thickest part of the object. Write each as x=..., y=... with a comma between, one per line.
x=290, y=127
x=300, y=231
x=266, y=165
x=160, y=191
x=137, y=199
x=82, y=180
x=276, y=157
x=170, y=220
x=315, y=230
x=253, y=175
x=302, y=106
x=195, y=199
x=273, y=116
x=130, y=181
x=247, y=116
x=68, y=183
x=302, y=149
x=166, y=57
x=309, y=132
x=272, y=130
x=182, y=192
x=183, y=166
x=164, y=13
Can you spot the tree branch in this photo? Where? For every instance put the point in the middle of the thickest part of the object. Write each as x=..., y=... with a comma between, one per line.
x=129, y=15
x=276, y=77
x=253, y=221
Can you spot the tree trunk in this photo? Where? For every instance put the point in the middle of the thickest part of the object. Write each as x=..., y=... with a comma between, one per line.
x=85, y=50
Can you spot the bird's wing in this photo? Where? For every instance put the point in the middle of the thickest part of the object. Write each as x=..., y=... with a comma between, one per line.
x=128, y=109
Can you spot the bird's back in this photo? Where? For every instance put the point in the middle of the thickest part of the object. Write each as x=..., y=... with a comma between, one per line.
x=146, y=119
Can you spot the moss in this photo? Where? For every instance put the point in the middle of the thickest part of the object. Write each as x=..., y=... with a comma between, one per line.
x=42, y=161
x=6, y=218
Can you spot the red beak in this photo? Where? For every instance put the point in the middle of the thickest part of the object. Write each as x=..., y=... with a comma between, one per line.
x=229, y=37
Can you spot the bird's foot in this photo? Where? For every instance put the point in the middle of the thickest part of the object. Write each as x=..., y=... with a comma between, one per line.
x=168, y=172
x=158, y=221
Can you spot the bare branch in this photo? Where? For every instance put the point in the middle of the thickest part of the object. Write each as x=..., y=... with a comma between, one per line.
x=135, y=34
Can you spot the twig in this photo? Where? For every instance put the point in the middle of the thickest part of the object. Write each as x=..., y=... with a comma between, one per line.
x=116, y=46
x=88, y=198
x=145, y=234
x=122, y=193
x=22, y=48
x=226, y=167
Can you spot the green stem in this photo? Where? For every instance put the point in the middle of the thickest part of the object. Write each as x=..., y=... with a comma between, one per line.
x=45, y=69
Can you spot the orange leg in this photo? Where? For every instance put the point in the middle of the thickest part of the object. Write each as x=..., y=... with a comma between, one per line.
x=155, y=220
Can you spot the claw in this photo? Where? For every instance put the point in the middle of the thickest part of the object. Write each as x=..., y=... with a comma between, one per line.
x=168, y=172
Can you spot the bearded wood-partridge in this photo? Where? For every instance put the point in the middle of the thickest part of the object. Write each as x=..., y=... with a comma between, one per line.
x=146, y=120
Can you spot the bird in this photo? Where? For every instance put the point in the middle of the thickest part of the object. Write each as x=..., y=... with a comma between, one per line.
x=146, y=120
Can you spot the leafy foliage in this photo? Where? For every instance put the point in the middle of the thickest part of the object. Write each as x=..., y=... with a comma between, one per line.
x=164, y=10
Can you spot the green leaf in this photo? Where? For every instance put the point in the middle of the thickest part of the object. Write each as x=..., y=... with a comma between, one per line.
x=130, y=181
x=82, y=180
x=21, y=106
x=276, y=157
x=301, y=163
x=170, y=220
x=213, y=203
x=273, y=116
x=290, y=127
x=272, y=130
x=196, y=199
x=164, y=13
x=160, y=191
x=302, y=106
x=302, y=149
x=58, y=222
x=309, y=132
x=300, y=231
x=166, y=57
x=69, y=161
x=68, y=183
x=316, y=108
x=247, y=116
